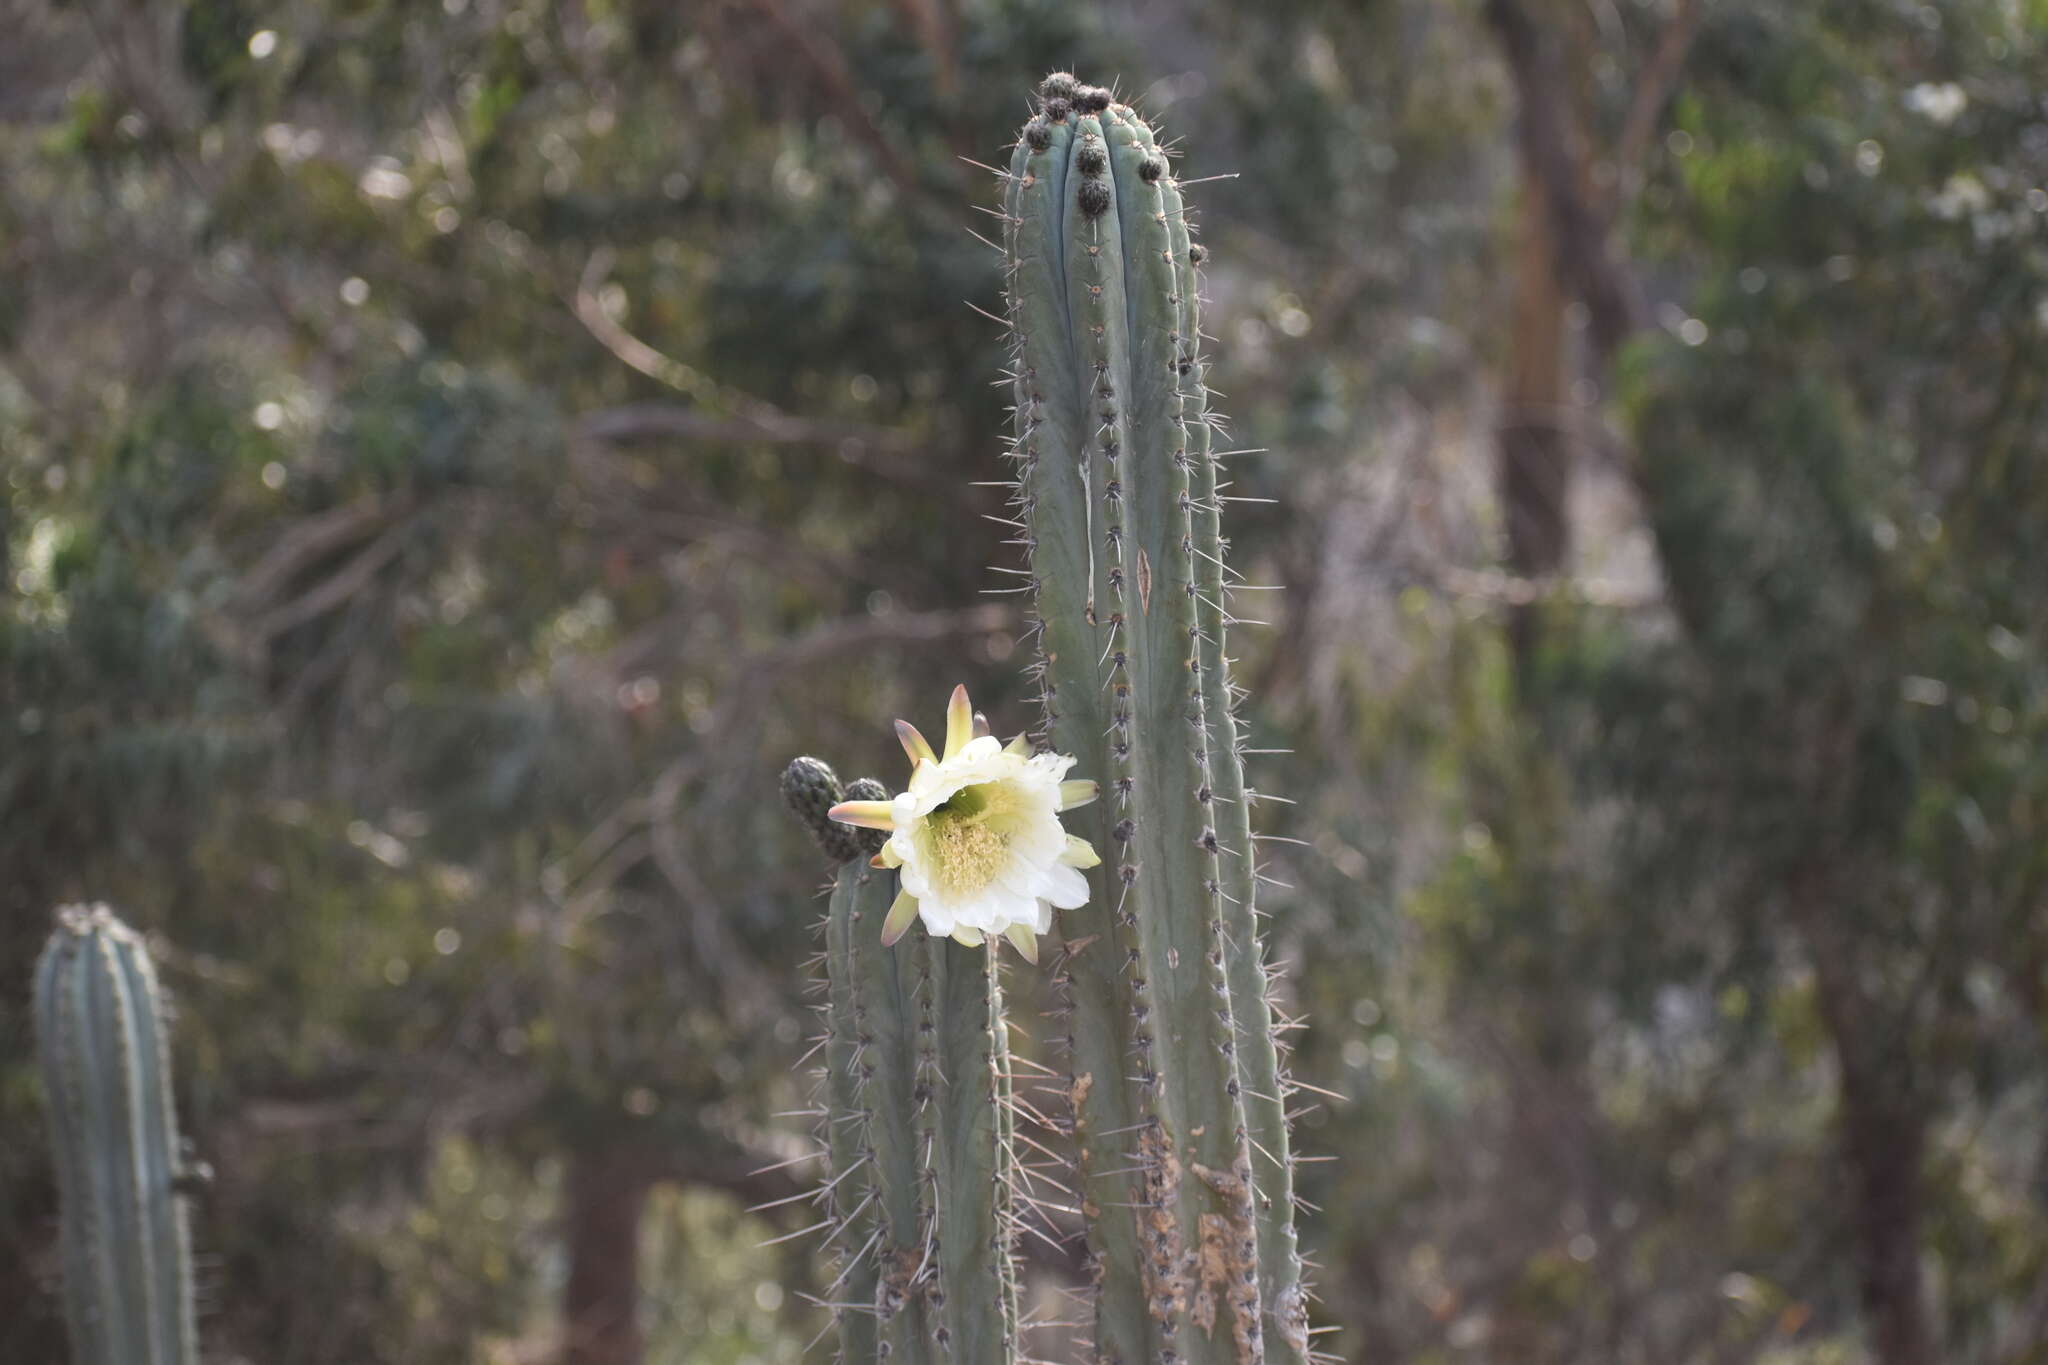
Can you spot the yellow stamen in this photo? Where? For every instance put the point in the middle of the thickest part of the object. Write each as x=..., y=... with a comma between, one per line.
x=968, y=855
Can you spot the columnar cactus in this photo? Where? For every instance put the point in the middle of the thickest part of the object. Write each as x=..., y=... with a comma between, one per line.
x=100, y=1032
x=915, y=1118
x=1178, y=1101
x=1176, y=1089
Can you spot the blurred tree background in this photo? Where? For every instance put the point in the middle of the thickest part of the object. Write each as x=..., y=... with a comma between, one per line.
x=455, y=452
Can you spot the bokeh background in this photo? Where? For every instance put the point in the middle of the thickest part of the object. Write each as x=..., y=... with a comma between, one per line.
x=455, y=452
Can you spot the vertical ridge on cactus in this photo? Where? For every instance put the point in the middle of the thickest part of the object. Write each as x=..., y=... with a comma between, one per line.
x=851, y=1200
x=99, y=1023
x=1171, y=1051
x=976, y=1310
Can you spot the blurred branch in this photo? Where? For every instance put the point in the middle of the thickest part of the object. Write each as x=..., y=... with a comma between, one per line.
x=934, y=25
x=310, y=539
x=828, y=64
x=725, y=414
x=1553, y=158
x=338, y=588
x=766, y=424
x=1654, y=88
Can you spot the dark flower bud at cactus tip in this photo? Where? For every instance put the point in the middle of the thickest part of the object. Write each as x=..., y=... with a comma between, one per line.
x=1060, y=85
x=1037, y=136
x=869, y=841
x=1093, y=197
x=1057, y=110
x=1091, y=159
x=1151, y=168
x=811, y=788
x=1198, y=253
x=1092, y=100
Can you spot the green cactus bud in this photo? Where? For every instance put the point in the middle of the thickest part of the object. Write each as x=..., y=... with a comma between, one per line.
x=868, y=841
x=811, y=788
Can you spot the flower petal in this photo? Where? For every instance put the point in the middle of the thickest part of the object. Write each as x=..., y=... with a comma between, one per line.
x=866, y=814
x=1066, y=887
x=981, y=726
x=889, y=857
x=914, y=744
x=901, y=913
x=959, y=722
x=967, y=937
x=1020, y=747
x=1078, y=792
x=1080, y=853
x=1026, y=941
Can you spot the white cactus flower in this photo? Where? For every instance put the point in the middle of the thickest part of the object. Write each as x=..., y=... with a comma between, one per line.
x=977, y=837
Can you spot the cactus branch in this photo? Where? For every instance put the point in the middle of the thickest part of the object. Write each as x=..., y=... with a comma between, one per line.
x=106, y=1067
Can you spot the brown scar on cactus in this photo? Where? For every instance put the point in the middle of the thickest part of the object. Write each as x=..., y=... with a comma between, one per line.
x=1165, y=1276
x=1228, y=1261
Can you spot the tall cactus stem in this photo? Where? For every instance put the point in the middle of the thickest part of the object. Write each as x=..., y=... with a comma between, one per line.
x=1117, y=490
x=127, y=1256
x=1061, y=473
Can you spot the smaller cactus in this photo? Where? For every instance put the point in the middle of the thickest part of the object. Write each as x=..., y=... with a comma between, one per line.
x=917, y=1118
x=99, y=1020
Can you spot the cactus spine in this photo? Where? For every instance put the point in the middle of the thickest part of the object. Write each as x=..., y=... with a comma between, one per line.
x=99, y=1021
x=1175, y=1077
x=916, y=1115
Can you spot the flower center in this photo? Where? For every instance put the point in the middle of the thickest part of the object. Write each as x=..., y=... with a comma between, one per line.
x=969, y=854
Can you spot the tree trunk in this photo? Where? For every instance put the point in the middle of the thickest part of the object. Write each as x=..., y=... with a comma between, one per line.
x=1881, y=1123
x=1533, y=449
x=607, y=1194
x=1884, y=1152
x=1883, y=1134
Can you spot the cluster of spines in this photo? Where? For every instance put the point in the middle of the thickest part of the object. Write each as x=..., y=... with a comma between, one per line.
x=1216, y=1244
x=914, y=1122
x=121, y=1171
